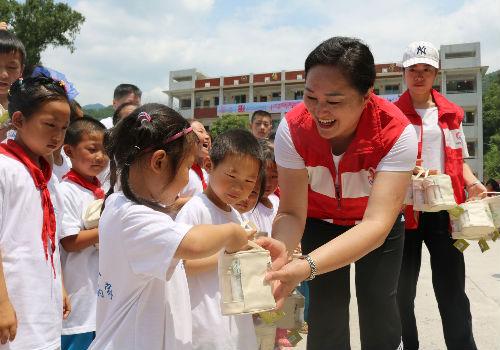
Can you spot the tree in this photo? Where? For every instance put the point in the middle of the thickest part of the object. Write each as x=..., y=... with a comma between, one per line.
x=41, y=23
x=228, y=122
x=492, y=158
x=491, y=108
x=100, y=113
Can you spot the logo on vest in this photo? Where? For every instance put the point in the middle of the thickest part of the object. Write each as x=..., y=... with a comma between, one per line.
x=421, y=50
x=371, y=175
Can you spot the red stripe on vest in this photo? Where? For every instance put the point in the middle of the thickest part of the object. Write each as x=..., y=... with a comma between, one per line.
x=379, y=127
x=450, y=117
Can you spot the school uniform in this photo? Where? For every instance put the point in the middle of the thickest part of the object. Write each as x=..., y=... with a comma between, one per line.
x=30, y=253
x=212, y=330
x=142, y=294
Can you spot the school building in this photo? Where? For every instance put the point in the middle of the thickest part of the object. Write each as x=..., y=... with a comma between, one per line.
x=205, y=98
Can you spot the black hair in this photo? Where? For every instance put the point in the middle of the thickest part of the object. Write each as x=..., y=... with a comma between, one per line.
x=123, y=90
x=494, y=184
x=267, y=149
x=351, y=56
x=133, y=137
x=236, y=142
x=272, y=136
x=81, y=126
x=75, y=110
x=116, y=115
x=28, y=95
x=261, y=113
x=9, y=43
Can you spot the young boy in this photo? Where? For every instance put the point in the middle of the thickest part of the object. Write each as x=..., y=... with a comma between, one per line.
x=12, y=60
x=79, y=257
x=234, y=165
x=261, y=124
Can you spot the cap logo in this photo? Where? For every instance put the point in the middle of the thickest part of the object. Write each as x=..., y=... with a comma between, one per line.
x=421, y=50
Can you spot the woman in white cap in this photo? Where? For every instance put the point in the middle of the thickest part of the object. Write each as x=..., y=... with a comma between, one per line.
x=344, y=159
x=441, y=147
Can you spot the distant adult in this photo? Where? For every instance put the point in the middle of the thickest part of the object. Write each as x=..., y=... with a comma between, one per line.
x=441, y=147
x=261, y=124
x=124, y=93
x=344, y=159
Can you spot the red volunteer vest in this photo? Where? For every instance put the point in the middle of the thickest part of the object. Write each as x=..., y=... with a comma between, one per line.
x=379, y=127
x=450, y=117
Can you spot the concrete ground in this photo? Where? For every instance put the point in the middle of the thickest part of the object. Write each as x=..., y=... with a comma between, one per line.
x=483, y=290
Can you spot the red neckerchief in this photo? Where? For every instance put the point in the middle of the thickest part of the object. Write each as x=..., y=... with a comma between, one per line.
x=199, y=172
x=41, y=177
x=94, y=186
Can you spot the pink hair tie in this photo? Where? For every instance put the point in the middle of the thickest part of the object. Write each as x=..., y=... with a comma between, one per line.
x=144, y=116
x=178, y=135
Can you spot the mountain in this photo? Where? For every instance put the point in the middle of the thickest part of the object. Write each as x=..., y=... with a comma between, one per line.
x=94, y=106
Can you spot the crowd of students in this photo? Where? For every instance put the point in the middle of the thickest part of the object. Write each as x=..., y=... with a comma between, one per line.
x=145, y=275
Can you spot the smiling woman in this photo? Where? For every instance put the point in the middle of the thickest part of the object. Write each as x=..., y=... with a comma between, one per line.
x=344, y=159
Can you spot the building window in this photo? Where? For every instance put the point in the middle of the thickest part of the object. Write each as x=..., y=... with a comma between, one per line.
x=469, y=118
x=276, y=96
x=216, y=100
x=185, y=103
x=206, y=103
x=464, y=54
x=392, y=89
x=461, y=85
x=298, y=95
x=197, y=102
x=471, y=147
x=240, y=98
x=263, y=98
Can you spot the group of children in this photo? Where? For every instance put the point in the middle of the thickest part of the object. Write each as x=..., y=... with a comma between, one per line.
x=144, y=276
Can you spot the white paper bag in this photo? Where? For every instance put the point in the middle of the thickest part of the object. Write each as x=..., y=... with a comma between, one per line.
x=92, y=214
x=475, y=222
x=438, y=192
x=241, y=281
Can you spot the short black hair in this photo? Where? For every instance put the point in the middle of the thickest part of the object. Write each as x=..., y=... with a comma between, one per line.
x=261, y=113
x=351, y=56
x=82, y=126
x=28, y=95
x=9, y=43
x=116, y=115
x=75, y=108
x=494, y=184
x=123, y=90
x=236, y=142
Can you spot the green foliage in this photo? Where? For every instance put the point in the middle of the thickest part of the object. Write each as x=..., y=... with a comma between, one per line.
x=100, y=113
x=492, y=158
x=491, y=108
x=227, y=122
x=41, y=23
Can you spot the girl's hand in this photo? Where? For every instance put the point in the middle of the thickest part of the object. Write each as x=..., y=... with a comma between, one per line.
x=8, y=322
x=476, y=191
x=288, y=277
x=66, y=304
x=239, y=238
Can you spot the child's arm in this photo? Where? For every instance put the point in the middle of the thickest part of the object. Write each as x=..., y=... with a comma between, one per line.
x=197, y=266
x=8, y=320
x=202, y=241
x=82, y=240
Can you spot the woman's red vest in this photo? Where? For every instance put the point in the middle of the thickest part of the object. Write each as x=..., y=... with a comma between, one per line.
x=450, y=117
x=379, y=127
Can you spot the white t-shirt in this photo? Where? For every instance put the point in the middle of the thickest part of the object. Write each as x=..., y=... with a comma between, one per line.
x=432, y=139
x=80, y=269
x=143, y=295
x=61, y=170
x=263, y=216
x=194, y=186
x=212, y=330
x=33, y=291
x=401, y=156
x=107, y=122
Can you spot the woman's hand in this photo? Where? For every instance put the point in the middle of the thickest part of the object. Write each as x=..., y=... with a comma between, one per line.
x=277, y=250
x=288, y=277
x=476, y=191
x=8, y=321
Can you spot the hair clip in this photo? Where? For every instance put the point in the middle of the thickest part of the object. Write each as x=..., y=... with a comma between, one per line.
x=144, y=117
x=178, y=135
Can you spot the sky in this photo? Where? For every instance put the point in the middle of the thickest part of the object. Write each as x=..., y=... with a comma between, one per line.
x=139, y=42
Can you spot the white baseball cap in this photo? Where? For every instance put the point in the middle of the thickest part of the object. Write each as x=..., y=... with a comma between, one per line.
x=421, y=52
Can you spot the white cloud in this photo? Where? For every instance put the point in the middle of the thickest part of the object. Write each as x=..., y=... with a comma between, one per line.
x=128, y=41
